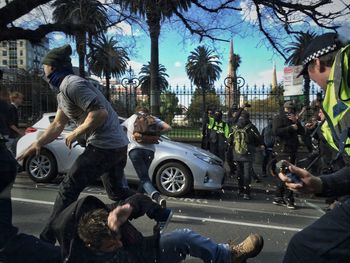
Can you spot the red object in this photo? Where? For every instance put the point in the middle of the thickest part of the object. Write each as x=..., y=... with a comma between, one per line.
x=30, y=130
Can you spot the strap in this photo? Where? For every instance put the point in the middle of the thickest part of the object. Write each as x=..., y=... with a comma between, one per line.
x=338, y=72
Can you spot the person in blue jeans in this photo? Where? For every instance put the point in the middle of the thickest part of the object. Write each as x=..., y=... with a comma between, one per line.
x=142, y=154
x=106, y=233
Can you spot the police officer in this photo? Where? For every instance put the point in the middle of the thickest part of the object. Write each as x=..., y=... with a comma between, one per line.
x=219, y=133
x=326, y=61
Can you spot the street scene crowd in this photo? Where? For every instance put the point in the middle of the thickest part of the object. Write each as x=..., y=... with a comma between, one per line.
x=87, y=230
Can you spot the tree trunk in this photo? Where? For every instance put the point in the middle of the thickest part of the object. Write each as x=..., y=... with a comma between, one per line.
x=81, y=49
x=108, y=95
x=153, y=21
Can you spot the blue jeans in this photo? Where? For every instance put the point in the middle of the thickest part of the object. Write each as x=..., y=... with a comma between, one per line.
x=108, y=164
x=325, y=240
x=176, y=245
x=141, y=160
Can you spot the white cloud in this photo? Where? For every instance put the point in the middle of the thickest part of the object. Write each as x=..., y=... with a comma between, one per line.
x=178, y=64
x=124, y=29
x=179, y=81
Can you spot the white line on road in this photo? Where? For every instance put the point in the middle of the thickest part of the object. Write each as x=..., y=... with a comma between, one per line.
x=201, y=219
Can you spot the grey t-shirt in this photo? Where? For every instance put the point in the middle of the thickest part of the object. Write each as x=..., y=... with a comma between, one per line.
x=75, y=96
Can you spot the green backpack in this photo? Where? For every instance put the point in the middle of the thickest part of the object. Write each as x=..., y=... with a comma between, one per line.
x=240, y=139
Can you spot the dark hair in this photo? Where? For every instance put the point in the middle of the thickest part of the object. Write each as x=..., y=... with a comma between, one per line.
x=325, y=61
x=93, y=228
x=141, y=108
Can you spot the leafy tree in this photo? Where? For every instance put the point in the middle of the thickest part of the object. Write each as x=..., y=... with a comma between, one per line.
x=89, y=13
x=169, y=105
x=154, y=14
x=107, y=59
x=295, y=49
x=195, y=110
x=145, y=78
x=203, y=69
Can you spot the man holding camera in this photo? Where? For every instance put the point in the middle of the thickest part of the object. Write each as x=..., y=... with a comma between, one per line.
x=286, y=127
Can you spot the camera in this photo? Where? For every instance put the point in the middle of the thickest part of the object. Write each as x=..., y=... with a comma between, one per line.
x=281, y=167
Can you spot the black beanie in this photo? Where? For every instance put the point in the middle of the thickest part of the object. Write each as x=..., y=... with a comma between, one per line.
x=59, y=57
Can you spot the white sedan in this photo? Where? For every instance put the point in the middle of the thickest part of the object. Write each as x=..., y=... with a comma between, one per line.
x=177, y=167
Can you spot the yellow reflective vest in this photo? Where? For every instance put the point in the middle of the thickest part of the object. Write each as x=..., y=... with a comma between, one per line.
x=219, y=127
x=336, y=103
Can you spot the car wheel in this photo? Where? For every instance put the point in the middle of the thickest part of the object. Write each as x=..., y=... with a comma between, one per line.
x=174, y=179
x=42, y=168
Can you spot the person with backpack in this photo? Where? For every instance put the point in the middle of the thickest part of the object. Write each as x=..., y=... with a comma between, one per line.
x=246, y=138
x=218, y=134
x=287, y=127
x=143, y=131
x=269, y=141
x=105, y=154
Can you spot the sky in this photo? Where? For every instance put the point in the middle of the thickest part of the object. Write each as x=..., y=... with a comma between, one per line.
x=257, y=59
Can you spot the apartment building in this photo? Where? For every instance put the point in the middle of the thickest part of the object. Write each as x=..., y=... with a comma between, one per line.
x=22, y=54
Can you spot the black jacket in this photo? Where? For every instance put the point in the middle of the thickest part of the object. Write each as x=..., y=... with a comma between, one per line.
x=286, y=135
x=137, y=249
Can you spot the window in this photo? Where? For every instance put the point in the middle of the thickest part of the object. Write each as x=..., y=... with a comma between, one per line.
x=4, y=53
x=21, y=61
x=4, y=62
x=21, y=52
x=21, y=43
x=4, y=43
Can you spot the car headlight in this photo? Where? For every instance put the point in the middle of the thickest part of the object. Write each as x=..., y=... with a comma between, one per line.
x=207, y=159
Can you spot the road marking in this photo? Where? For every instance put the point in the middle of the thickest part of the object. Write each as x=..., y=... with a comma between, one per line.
x=314, y=206
x=201, y=219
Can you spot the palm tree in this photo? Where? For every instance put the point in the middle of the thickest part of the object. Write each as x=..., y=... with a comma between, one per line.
x=107, y=59
x=145, y=78
x=90, y=14
x=154, y=12
x=203, y=69
x=296, y=50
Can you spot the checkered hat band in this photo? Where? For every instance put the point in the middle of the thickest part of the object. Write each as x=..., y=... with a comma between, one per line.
x=320, y=53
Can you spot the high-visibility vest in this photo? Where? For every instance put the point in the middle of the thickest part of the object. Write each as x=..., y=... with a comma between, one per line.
x=219, y=127
x=336, y=103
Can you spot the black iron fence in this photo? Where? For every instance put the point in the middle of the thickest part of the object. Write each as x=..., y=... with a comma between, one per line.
x=38, y=98
x=180, y=106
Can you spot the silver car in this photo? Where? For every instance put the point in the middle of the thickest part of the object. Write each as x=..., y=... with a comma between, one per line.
x=177, y=167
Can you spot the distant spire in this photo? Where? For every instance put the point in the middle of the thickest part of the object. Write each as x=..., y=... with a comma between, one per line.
x=231, y=67
x=274, y=77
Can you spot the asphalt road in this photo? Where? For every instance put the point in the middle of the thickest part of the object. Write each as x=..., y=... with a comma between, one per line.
x=219, y=215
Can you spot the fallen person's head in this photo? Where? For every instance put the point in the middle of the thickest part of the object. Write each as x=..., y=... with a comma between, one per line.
x=93, y=230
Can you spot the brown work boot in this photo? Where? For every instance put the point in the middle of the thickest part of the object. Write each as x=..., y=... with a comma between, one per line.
x=249, y=248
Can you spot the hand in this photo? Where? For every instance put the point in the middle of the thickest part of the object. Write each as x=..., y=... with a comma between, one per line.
x=70, y=139
x=293, y=118
x=33, y=149
x=311, y=184
x=119, y=216
x=294, y=126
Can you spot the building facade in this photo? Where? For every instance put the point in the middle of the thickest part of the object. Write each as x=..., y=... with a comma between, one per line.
x=22, y=54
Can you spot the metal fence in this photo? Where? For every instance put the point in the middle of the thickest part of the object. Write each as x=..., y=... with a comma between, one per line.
x=180, y=106
x=38, y=98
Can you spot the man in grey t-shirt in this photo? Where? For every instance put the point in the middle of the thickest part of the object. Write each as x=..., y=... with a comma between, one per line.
x=98, y=126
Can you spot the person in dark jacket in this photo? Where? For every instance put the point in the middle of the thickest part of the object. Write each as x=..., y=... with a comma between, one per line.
x=246, y=138
x=15, y=133
x=16, y=247
x=286, y=127
x=106, y=233
x=218, y=134
x=269, y=141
